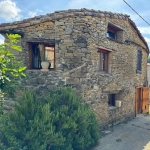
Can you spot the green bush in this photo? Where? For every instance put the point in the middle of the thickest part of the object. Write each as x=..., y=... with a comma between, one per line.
x=59, y=121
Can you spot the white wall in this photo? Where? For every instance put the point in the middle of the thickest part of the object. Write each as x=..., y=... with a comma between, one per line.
x=148, y=73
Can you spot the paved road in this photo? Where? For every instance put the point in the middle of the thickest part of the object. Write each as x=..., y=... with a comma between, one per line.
x=133, y=135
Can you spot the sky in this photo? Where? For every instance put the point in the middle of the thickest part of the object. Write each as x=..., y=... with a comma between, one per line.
x=15, y=10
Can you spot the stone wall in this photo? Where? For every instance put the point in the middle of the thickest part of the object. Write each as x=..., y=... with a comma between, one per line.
x=77, y=60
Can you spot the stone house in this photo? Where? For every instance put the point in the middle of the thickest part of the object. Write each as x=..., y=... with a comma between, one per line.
x=102, y=55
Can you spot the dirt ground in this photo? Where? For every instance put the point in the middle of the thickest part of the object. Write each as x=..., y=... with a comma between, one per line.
x=132, y=135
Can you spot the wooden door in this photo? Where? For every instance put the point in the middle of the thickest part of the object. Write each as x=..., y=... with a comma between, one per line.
x=145, y=100
x=142, y=100
x=138, y=100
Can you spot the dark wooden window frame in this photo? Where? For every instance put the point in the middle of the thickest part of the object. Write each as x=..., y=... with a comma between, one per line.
x=101, y=52
x=112, y=31
x=139, y=61
x=31, y=54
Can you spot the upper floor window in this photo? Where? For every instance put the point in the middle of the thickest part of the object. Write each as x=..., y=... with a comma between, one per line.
x=114, y=32
x=139, y=61
x=39, y=52
x=103, y=60
x=111, y=33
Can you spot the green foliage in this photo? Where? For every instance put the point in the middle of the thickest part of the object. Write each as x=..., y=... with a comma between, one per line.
x=11, y=69
x=148, y=59
x=59, y=121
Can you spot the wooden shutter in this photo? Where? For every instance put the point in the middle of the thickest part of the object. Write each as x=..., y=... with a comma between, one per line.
x=145, y=99
x=139, y=60
x=30, y=57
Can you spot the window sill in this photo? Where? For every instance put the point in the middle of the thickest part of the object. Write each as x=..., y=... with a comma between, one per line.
x=139, y=71
x=112, y=108
x=115, y=40
x=111, y=39
x=104, y=73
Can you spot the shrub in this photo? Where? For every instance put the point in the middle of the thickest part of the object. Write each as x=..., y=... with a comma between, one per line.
x=59, y=121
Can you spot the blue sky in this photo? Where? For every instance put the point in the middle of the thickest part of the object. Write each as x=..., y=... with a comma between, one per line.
x=12, y=10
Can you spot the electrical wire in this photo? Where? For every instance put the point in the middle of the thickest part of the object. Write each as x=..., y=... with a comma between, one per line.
x=136, y=12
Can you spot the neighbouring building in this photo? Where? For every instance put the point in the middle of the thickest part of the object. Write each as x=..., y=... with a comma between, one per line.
x=148, y=78
x=148, y=73
x=102, y=55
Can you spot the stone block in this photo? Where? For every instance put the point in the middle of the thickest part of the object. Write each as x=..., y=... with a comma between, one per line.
x=39, y=28
x=2, y=28
x=49, y=23
x=68, y=30
x=84, y=69
x=8, y=27
x=35, y=22
x=23, y=24
x=57, y=23
x=84, y=59
x=70, y=81
x=78, y=75
x=68, y=54
x=68, y=41
x=79, y=55
x=82, y=45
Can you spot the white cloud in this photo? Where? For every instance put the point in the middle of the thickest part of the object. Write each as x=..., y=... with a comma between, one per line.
x=144, y=30
x=147, y=40
x=35, y=13
x=9, y=10
x=31, y=14
x=146, y=33
x=1, y=41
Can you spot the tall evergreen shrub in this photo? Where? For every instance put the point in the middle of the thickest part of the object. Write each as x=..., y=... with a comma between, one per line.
x=59, y=121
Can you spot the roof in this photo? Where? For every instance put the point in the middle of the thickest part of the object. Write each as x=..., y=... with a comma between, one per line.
x=69, y=13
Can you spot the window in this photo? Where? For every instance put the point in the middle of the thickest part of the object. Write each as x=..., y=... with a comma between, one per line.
x=139, y=61
x=111, y=34
x=103, y=60
x=40, y=51
x=114, y=32
x=111, y=100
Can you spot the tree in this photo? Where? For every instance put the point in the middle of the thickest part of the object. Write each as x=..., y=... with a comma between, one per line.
x=57, y=121
x=11, y=69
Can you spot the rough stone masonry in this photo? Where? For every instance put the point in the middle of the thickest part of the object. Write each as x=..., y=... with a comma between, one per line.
x=80, y=33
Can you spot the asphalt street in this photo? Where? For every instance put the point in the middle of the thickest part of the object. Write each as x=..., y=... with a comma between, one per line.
x=131, y=135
